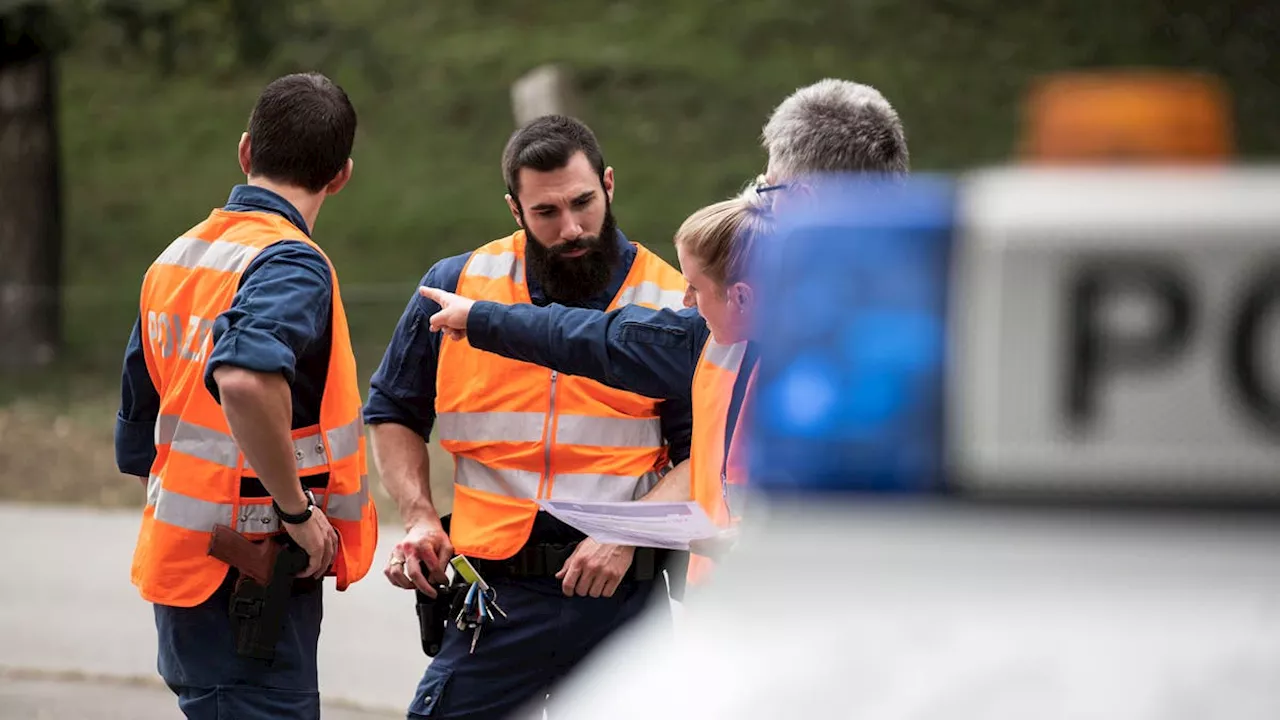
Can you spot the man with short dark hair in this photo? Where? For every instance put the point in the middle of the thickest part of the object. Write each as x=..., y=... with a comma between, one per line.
x=519, y=433
x=240, y=407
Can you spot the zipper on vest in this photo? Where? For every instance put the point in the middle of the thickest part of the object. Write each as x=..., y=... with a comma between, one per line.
x=546, y=442
x=724, y=493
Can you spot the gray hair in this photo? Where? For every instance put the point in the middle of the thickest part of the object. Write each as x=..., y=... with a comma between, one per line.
x=835, y=126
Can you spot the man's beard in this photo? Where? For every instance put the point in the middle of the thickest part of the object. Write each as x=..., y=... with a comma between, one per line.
x=574, y=280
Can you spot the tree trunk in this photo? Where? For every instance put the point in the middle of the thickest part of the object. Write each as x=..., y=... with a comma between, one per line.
x=544, y=90
x=30, y=198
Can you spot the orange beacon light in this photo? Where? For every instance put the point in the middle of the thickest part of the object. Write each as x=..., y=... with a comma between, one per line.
x=1129, y=117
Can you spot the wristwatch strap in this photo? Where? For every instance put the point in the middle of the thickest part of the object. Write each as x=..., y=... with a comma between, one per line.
x=299, y=518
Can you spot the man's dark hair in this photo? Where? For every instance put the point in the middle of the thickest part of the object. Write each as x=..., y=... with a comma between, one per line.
x=301, y=131
x=545, y=144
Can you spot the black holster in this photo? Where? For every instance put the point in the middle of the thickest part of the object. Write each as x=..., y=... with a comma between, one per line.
x=258, y=612
x=435, y=613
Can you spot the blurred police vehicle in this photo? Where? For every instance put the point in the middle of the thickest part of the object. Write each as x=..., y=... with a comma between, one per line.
x=1014, y=449
x=1115, y=328
x=1118, y=331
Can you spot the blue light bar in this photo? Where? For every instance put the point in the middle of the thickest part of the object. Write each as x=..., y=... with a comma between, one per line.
x=853, y=299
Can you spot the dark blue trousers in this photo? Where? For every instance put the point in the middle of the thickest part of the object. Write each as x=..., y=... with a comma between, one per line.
x=198, y=660
x=518, y=659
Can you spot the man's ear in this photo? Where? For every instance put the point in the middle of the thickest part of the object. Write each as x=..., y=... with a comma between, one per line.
x=340, y=180
x=608, y=183
x=515, y=209
x=243, y=153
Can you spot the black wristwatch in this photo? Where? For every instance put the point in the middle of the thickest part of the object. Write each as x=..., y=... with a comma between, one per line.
x=301, y=517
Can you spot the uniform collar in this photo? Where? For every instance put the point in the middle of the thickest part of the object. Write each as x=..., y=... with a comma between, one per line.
x=251, y=198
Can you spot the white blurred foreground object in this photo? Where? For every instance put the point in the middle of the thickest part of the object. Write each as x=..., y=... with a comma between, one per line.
x=960, y=613
x=1114, y=347
x=1113, y=341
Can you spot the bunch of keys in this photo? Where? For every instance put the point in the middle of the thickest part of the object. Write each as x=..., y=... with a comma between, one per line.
x=480, y=603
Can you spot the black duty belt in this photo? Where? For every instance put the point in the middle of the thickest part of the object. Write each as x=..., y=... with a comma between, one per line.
x=251, y=487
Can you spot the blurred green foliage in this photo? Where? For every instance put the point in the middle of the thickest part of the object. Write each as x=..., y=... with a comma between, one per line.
x=154, y=95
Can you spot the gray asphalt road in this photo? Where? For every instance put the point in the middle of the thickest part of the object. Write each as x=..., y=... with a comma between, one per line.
x=39, y=699
x=68, y=611
x=66, y=606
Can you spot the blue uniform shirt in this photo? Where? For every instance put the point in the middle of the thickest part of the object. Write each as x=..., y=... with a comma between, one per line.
x=277, y=322
x=403, y=388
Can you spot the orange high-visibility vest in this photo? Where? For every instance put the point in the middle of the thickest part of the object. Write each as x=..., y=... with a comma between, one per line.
x=520, y=432
x=195, y=479
x=717, y=484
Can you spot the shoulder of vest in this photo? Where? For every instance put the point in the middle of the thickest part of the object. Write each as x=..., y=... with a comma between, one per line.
x=256, y=226
x=277, y=229
x=254, y=231
x=501, y=245
x=653, y=267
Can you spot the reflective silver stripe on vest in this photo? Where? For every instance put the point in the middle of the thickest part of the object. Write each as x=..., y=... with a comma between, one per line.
x=511, y=483
x=220, y=448
x=608, y=432
x=349, y=507
x=190, y=513
x=491, y=426
x=218, y=255
x=495, y=266
x=206, y=444
x=529, y=426
x=726, y=357
x=258, y=518
x=166, y=425
x=345, y=441
x=651, y=293
x=198, y=515
x=153, y=489
x=568, y=486
x=594, y=487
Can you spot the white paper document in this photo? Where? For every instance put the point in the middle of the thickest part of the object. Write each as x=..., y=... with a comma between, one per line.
x=669, y=525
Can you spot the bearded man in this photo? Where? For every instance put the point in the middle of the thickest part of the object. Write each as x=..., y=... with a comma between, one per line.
x=520, y=433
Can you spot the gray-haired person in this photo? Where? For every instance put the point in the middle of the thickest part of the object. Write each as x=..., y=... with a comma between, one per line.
x=834, y=126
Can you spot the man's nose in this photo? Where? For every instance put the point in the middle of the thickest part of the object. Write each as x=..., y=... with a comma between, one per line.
x=570, y=228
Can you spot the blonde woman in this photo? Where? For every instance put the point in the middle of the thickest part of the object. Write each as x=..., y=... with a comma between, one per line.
x=703, y=353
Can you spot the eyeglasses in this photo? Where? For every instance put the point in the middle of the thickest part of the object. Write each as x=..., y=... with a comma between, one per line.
x=770, y=188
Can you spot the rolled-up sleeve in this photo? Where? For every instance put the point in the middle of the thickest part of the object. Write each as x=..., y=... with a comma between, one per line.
x=139, y=408
x=402, y=389
x=281, y=308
